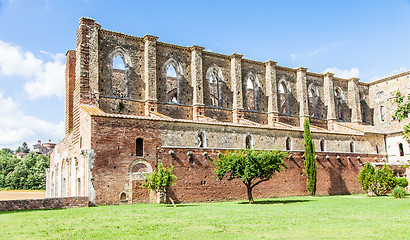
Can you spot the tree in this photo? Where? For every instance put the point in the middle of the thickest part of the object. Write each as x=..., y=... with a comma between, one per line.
x=378, y=181
x=310, y=163
x=159, y=181
x=402, y=112
x=23, y=148
x=252, y=167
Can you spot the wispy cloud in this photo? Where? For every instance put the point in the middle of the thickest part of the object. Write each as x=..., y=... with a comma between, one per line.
x=17, y=127
x=395, y=71
x=343, y=73
x=316, y=51
x=43, y=78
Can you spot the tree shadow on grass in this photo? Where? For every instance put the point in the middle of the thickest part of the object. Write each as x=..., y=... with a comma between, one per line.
x=275, y=201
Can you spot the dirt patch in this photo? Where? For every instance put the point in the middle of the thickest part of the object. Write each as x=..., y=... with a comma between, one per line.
x=21, y=194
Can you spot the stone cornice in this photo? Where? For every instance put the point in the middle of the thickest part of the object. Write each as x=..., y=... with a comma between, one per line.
x=150, y=38
x=213, y=54
x=173, y=46
x=197, y=48
x=303, y=69
x=271, y=63
x=329, y=74
x=236, y=55
x=122, y=35
x=390, y=78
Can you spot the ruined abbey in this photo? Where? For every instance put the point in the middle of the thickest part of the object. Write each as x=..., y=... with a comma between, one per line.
x=132, y=102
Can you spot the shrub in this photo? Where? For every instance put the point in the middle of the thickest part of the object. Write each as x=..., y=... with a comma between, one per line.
x=399, y=192
x=379, y=181
x=402, y=182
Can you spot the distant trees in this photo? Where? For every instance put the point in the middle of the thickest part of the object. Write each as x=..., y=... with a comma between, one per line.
x=23, y=148
x=26, y=173
x=252, y=167
x=310, y=163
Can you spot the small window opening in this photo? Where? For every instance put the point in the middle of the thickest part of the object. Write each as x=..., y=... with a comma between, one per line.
x=377, y=149
x=401, y=150
x=351, y=147
x=123, y=197
x=248, y=142
x=200, y=140
x=382, y=113
x=322, y=145
x=288, y=144
x=139, y=146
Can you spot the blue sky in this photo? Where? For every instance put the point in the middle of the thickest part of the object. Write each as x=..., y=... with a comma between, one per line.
x=365, y=39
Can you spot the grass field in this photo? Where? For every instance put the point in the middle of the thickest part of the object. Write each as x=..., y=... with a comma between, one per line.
x=335, y=217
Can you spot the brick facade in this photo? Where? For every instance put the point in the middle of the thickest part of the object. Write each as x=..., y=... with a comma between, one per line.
x=45, y=203
x=123, y=126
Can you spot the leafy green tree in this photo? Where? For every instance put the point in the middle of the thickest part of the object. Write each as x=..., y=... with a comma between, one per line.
x=7, y=150
x=23, y=148
x=28, y=173
x=402, y=112
x=252, y=167
x=310, y=163
x=378, y=181
x=159, y=181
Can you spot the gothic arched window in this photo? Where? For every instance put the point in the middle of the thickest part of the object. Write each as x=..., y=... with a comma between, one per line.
x=251, y=92
x=283, y=98
x=214, y=78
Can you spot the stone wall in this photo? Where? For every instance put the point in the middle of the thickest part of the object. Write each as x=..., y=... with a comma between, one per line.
x=45, y=203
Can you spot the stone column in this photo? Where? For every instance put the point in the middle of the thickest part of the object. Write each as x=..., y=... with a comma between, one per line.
x=302, y=94
x=236, y=81
x=150, y=74
x=329, y=99
x=197, y=81
x=272, y=92
x=353, y=96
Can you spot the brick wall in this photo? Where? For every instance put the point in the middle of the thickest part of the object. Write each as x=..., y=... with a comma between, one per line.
x=45, y=203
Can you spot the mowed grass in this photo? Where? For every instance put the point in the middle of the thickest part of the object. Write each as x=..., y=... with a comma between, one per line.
x=334, y=217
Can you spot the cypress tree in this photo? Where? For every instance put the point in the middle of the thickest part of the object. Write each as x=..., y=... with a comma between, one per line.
x=310, y=164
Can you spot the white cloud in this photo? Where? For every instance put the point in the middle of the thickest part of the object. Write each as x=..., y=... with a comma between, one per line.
x=316, y=51
x=16, y=127
x=343, y=73
x=395, y=71
x=44, y=78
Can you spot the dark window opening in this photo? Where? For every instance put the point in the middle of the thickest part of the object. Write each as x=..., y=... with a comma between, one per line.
x=288, y=144
x=322, y=145
x=351, y=147
x=123, y=197
x=248, y=144
x=200, y=140
x=401, y=150
x=139, y=146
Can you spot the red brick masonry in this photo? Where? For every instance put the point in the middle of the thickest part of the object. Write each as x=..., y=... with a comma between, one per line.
x=45, y=203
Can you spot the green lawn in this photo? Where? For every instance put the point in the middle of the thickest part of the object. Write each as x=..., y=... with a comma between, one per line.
x=340, y=217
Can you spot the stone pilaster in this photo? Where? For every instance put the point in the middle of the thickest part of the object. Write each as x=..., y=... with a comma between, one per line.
x=329, y=99
x=272, y=92
x=354, y=100
x=197, y=81
x=302, y=94
x=150, y=73
x=236, y=80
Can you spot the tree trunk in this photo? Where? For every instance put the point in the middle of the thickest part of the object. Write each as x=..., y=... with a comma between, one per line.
x=250, y=198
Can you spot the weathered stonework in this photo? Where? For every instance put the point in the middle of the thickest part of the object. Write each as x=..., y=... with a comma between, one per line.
x=121, y=123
